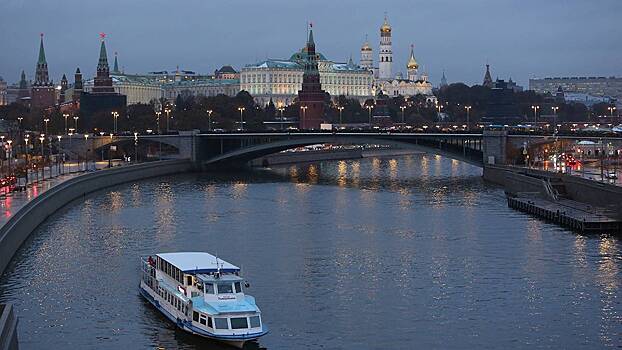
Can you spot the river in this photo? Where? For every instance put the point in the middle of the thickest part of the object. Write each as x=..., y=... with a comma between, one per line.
x=393, y=253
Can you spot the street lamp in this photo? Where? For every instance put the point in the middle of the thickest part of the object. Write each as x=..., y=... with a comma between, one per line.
x=158, y=120
x=86, y=152
x=281, y=109
x=66, y=115
x=555, y=109
x=369, y=109
x=136, y=147
x=46, y=120
x=340, y=108
x=58, y=159
x=76, y=122
x=9, y=142
x=42, y=138
x=535, y=114
x=611, y=109
x=167, y=111
x=26, y=139
x=115, y=115
x=468, y=110
x=402, y=108
x=241, y=109
x=209, y=119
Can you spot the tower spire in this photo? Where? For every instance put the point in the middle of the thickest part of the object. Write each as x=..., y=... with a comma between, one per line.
x=115, y=68
x=488, y=78
x=41, y=52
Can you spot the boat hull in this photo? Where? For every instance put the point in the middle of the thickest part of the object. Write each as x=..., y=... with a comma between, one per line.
x=233, y=340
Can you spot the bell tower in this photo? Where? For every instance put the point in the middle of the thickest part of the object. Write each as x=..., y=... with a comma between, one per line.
x=386, y=51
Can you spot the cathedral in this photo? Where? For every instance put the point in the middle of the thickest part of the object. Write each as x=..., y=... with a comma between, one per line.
x=413, y=84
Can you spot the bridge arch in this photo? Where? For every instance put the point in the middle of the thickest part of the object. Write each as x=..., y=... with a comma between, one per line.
x=270, y=145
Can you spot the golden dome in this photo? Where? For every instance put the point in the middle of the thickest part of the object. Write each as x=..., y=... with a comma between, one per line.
x=366, y=47
x=386, y=28
x=412, y=62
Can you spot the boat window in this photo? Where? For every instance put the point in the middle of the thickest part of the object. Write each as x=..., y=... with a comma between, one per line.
x=195, y=316
x=209, y=288
x=255, y=321
x=209, y=322
x=221, y=323
x=202, y=321
x=225, y=288
x=189, y=280
x=239, y=322
x=238, y=287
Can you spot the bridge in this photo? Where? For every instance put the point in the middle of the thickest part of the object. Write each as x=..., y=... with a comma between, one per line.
x=215, y=149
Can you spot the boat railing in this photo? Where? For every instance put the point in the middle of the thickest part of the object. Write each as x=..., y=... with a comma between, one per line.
x=148, y=272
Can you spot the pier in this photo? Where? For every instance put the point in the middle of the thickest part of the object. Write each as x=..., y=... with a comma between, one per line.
x=577, y=216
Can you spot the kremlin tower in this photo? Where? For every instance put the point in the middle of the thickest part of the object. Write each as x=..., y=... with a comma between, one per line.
x=488, y=78
x=43, y=94
x=103, y=81
x=386, y=52
x=311, y=96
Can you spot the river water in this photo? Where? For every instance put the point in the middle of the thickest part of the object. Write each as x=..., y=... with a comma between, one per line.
x=393, y=253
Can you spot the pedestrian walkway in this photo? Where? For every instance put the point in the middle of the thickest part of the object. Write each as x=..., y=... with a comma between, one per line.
x=11, y=202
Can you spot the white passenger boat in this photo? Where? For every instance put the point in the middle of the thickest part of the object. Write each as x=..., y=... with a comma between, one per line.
x=202, y=295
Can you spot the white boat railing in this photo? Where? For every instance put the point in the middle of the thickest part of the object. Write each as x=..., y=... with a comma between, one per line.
x=148, y=274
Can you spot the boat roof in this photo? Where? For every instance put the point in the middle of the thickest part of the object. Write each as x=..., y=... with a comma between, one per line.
x=198, y=262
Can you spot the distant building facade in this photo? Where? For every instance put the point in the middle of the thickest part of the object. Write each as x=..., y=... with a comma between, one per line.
x=610, y=87
x=4, y=100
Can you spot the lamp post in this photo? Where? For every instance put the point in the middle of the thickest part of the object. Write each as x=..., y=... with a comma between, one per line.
x=281, y=109
x=19, y=119
x=403, y=108
x=76, y=122
x=9, y=142
x=555, y=109
x=41, y=139
x=369, y=109
x=304, y=115
x=158, y=120
x=66, y=115
x=168, y=115
x=27, y=157
x=611, y=109
x=535, y=114
x=340, y=108
x=468, y=110
x=136, y=147
x=86, y=152
x=209, y=119
x=241, y=109
x=58, y=155
x=46, y=121
x=115, y=115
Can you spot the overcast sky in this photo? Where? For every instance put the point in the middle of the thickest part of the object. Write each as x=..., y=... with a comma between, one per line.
x=519, y=38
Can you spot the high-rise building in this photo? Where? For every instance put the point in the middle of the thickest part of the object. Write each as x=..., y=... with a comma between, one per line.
x=43, y=94
x=386, y=51
x=311, y=96
x=488, y=78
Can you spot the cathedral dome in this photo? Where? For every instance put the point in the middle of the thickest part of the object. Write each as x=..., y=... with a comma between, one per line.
x=412, y=62
x=386, y=28
x=366, y=47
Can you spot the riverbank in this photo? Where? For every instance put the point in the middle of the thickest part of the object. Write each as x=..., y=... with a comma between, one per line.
x=41, y=205
x=550, y=185
x=326, y=155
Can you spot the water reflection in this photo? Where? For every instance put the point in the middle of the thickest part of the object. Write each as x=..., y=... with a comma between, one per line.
x=336, y=253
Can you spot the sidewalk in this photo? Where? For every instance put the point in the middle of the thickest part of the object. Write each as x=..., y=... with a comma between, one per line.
x=11, y=202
